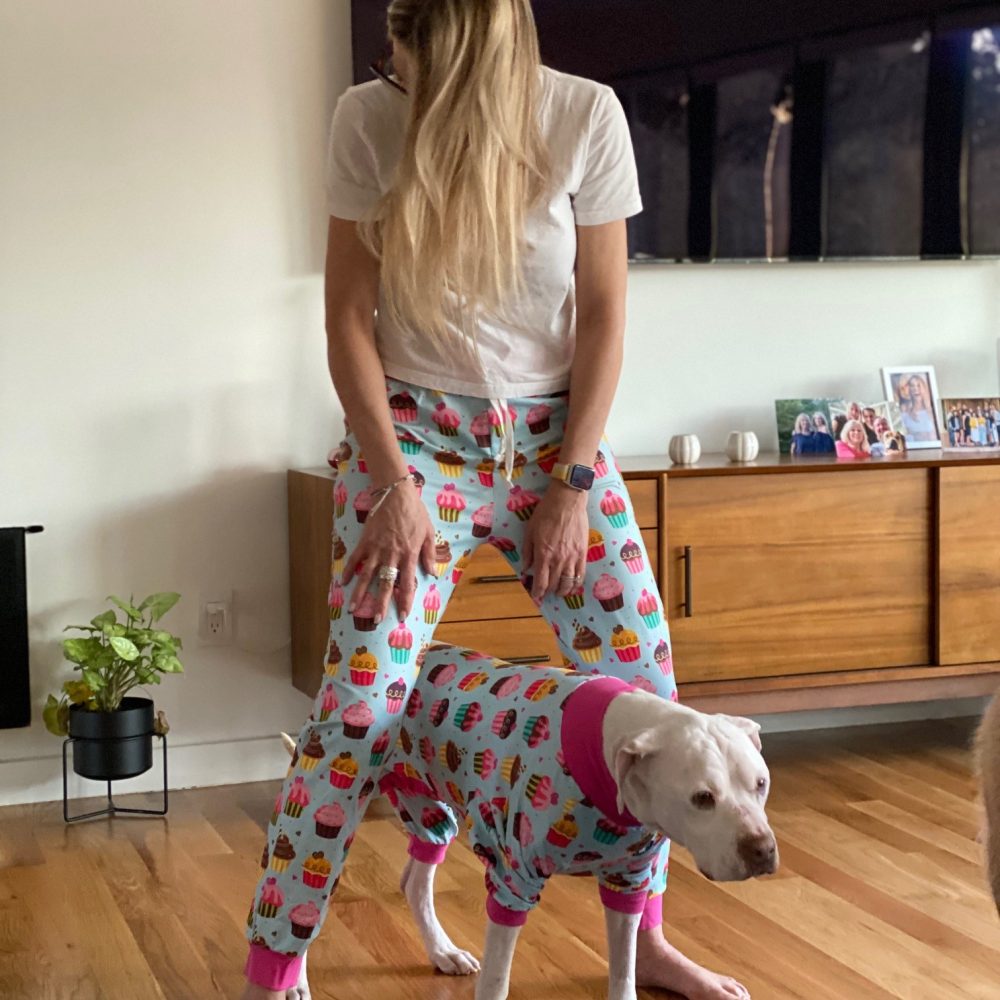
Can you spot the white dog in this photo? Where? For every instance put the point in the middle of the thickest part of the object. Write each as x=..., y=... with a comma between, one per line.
x=698, y=779
x=988, y=771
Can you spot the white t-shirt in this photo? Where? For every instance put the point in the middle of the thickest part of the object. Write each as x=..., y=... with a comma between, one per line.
x=529, y=350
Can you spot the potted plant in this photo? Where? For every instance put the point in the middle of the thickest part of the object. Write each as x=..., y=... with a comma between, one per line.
x=113, y=733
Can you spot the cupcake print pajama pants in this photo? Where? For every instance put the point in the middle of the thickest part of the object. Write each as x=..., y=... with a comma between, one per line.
x=481, y=465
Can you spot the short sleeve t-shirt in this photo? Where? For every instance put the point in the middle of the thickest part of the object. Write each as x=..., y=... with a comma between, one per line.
x=528, y=348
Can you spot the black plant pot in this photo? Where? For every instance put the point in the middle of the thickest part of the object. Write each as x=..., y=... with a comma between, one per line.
x=112, y=745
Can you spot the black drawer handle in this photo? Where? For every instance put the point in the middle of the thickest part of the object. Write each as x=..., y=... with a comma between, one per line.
x=538, y=658
x=688, y=603
x=499, y=578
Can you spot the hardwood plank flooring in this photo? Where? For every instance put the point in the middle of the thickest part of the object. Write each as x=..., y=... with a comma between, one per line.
x=880, y=894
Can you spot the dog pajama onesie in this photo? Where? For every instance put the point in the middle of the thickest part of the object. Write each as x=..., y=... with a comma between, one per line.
x=519, y=754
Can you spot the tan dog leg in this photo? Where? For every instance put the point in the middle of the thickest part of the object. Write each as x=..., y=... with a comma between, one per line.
x=988, y=767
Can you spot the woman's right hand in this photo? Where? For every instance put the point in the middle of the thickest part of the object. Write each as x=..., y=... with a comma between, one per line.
x=398, y=534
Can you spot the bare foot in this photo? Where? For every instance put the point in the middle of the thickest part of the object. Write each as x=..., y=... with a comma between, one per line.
x=254, y=992
x=659, y=964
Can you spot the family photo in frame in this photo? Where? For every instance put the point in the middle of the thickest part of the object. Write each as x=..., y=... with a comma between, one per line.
x=972, y=422
x=839, y=427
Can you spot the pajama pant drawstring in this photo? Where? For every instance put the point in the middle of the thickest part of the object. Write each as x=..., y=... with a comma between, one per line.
x=507, y=451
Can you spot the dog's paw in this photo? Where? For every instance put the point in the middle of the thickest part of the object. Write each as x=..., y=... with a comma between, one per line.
x=298, y=992
x=455, y=962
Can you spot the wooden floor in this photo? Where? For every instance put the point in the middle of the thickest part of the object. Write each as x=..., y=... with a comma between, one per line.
x=879, y=895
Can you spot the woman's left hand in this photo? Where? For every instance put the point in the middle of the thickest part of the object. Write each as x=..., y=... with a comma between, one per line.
x=555, y=542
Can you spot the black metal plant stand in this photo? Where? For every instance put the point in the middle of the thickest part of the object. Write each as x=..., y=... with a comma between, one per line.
x=111, y=808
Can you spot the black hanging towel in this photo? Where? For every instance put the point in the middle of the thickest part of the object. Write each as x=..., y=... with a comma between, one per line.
x=15, y=692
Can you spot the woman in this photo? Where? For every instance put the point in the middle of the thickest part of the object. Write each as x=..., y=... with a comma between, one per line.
x=868, y=419
x=918, y=416
x=839, y=422
x=853, y=441
x=803, y=442
x=823, y=443
x=497, y=345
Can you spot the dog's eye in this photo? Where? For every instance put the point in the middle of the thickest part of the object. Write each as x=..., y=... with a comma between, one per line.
x=703, y=800
x=761, y=784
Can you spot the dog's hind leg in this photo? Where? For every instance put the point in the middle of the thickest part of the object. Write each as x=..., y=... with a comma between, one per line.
x=418, y=887
x=498, y=956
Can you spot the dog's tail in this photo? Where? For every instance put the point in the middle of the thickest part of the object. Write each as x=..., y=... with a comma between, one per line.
x=988, y=767
x=289, y=743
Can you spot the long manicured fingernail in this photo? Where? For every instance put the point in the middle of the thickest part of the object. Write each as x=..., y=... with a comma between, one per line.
x=351, y=607
x=378, y=619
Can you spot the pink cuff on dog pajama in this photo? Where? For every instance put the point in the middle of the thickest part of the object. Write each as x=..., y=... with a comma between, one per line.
x=504, y=915
x=424, y=850
x=624, y=902
x=271, y=969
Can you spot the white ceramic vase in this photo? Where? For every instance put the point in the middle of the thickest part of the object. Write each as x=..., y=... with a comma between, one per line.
x=742, y=446
x=684, y=449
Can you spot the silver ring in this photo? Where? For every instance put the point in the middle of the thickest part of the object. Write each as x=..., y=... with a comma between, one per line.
x=388, y=574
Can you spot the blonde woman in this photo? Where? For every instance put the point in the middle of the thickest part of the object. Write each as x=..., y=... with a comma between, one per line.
x=918, y=414
x=803, y=442
x=853, y=441
x=475, y=311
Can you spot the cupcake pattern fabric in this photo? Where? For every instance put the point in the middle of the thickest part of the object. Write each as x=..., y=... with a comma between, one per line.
x=489, y=741
x=612, y=624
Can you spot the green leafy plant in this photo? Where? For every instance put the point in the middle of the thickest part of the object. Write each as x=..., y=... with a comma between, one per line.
x=114, y=658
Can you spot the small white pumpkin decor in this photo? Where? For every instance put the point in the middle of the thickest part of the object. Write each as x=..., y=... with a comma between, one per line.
x=684, y=449
x=742, y=446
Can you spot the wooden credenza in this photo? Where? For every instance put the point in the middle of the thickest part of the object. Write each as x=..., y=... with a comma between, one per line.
x=788, y=583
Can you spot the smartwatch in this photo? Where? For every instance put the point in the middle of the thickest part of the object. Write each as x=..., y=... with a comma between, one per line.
x=579, y=477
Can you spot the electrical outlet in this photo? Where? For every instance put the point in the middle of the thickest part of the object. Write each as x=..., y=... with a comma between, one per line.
x=215, y=618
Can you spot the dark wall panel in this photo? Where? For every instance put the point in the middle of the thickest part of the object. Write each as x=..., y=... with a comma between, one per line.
x=15, y=694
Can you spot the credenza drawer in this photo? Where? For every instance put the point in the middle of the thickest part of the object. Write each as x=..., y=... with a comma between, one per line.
x=529, y=640
x=490, y=587
x=645, y=496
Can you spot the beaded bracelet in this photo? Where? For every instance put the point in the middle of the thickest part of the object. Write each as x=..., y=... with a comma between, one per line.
x=383, y=491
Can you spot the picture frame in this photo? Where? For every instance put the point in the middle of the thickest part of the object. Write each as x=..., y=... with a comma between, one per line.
x=881, y=422
x=914, y=389
x=971, y=423
x=804, y=426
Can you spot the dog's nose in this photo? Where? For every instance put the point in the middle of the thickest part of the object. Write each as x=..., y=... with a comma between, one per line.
x=759, y=854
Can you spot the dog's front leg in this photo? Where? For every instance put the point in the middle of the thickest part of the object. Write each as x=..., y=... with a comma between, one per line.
x=498, y=955
x=622, y=931
x=418, y=887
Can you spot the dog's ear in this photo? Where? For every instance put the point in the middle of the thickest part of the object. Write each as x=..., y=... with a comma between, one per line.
x=628, y=753
x=751, y=728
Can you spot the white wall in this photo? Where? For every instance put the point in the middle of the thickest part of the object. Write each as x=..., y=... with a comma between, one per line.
x=710, y=347
x=161, y=342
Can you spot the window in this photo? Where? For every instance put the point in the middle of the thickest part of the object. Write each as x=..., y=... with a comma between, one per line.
x=983, y=141
x=752, y=151
x=873, y=150
x=656, y=108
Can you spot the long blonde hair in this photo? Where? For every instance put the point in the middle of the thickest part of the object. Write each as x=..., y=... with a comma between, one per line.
x=474, y=162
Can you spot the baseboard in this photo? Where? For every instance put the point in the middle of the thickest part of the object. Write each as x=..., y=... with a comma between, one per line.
x=872, y=715
x=263, y=758
x=194, y=765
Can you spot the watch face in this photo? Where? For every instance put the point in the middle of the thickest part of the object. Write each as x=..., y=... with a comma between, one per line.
x=581, y=477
